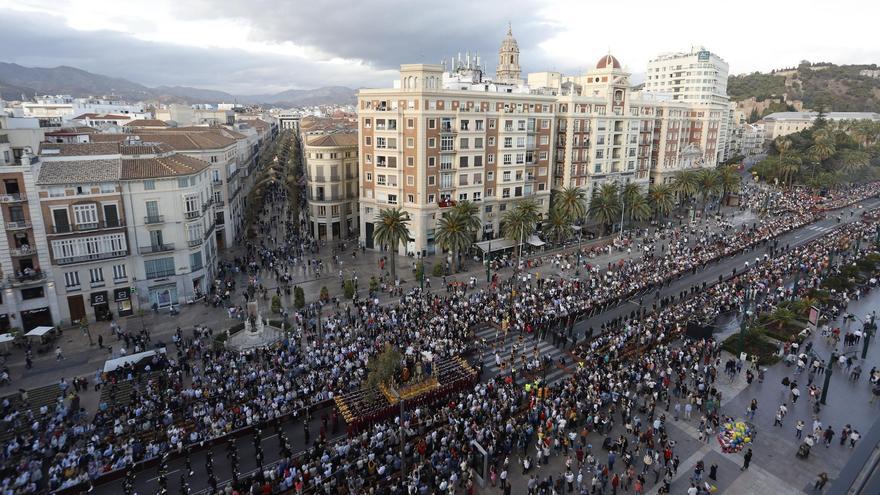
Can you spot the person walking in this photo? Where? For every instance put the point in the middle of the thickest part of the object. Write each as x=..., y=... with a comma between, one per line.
x=799, y=428
x=821, y=480
x=828, y=435
x=58, y=355
x=747, y=459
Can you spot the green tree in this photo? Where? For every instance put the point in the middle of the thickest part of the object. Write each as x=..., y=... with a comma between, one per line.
x=299, y=297
x=392, y=231
x=730, y=182
x=276, y=304
x=571, y=202
x=469, y=214
x=685, y=184
x=639, y=208
x=519, y=222
x=605, y=205
x=348, y=289
x=558, y=226
x=708, y=184
x=662, y=198
x=453, y=234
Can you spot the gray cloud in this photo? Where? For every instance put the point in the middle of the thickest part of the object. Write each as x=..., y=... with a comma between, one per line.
x=38, y=40
x=386, y=33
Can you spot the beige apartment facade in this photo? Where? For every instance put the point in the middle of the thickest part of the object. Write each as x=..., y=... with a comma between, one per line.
x=424, y=148
x=332, y=183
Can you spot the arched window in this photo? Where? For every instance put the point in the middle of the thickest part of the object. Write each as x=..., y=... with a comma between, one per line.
x=511, y=59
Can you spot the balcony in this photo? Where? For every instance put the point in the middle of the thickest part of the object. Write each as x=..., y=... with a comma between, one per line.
x=23, y=251
x=13, y=198
x=195, y=242
x=217, y=182
x=160, y=274
x=91, y=257
x=33, y=277
x=18, y=225
x=156, y=248
x=84, y=227
x=148, y=220
x=190, y=215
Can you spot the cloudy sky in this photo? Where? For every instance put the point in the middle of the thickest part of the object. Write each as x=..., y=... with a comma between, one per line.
x=264, y=46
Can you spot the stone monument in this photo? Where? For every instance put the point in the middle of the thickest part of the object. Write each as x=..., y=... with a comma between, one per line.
x=256, y=332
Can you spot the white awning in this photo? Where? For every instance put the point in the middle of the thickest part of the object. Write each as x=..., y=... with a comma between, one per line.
x=534, y=240
x=495, y=245
x=6, y=337
x=39, y=331
x=119, y=362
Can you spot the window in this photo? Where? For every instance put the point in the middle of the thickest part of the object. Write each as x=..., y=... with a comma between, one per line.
x=432, y=161
x=432, y=123
x=86, y=216
x=508, y=142
x=491, y=123
x=506, y=176
x=191, y=205
x=478, y=143
x=478, y=125
x=32, y=293
x=432, y=142
x=520, y=142
x=410, y=180
x=149, y=185
x=322, y=211
x=520, y=158
x=410, y=161
x=56, y=192
x=96, y=276
x=392, y=199
x=478, y=179
x=432, y=179
x=505, y=193
x=195, y=261
x=162, y=267
x=491, y=159
x=491, y=140
x=108, y=187
x=508, y=159
x=368, y=141
x=478, y=196
x=462, y=180
x=152, y=211
x=410, y=198
x=446, y=143
x=463, y=161
x=119, y=272
x=183, y=182
x=464, y=143
x=410, y=142
x=380, y=179
x=71, y=280
x=430, y=198
x=368, y=177
x=410, y=123
x=462, y=197
x=478, y=161
x=490, y=177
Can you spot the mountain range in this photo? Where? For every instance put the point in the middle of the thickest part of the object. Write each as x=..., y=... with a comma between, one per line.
x=17, y=80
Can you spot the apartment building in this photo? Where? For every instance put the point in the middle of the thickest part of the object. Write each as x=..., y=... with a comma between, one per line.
x=697, y=76
x=28, y=298
x=168, y=197
x=227, y=152
x=84, y=215
x=332, y=182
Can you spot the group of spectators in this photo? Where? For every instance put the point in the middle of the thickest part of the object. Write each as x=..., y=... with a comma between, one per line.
x=628, y=369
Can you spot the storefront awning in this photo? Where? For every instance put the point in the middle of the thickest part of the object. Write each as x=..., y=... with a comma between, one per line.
x=495, y=245
x=119, y=362
x=535, y=241
x=39, y=331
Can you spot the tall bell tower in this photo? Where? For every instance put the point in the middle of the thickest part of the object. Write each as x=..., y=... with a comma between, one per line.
x=508, y=59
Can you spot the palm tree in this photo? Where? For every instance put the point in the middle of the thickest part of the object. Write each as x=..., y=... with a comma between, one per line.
x=571, y=202
x=629, y=194
x=558, y=225
x=605, y=205
x=470, y=215
x=662, y=198
x=782, y=145
x=730, y=182
x=709, y=184
x=788, y=167
x=853, y=161
x=454, y=234
x=685, y=183
x=519, y=222
x=639, y=208
x=393, y=229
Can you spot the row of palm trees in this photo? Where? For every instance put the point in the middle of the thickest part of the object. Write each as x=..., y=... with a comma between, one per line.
x=457, y=230
x=280, y=165
x=826, y=155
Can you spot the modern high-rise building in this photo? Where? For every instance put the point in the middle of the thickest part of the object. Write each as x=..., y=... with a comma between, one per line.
x=698, y=76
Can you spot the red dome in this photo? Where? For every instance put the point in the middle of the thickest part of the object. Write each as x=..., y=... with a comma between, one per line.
x=608, y=61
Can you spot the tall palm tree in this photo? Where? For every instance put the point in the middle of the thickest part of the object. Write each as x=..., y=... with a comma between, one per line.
x=392, y=230
x=685, y=183
x=629, y=194
x=470, y=215
x=788, y=167
x=571, y=202
x=853, y=161
x=708, y=184
x=519, y=222
x=558, y=225
x=782, y=145
x=605, y=205
x=662, y=198
x=639, y=208
x=454, y=234
x=730, y=182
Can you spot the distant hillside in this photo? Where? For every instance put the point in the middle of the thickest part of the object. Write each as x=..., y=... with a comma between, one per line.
x=16, y=80
x=830, y=87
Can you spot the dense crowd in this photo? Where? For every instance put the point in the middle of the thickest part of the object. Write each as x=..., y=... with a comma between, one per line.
x=205, y=393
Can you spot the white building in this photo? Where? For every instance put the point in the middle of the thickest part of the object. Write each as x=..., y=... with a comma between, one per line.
x=753, y=139
x=785, y=123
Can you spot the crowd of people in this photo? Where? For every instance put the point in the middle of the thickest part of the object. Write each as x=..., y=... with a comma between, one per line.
x=628, y=369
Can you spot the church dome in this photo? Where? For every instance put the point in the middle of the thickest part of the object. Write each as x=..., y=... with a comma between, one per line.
x=608, y=61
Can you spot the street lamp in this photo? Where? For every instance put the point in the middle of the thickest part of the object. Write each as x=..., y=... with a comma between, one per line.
x=745, y=318
x=828, y=370
x=487, y=257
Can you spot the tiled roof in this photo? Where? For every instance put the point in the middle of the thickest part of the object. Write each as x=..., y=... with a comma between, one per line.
x=144, y=148
x=161, y=166
x=78, y=149
x=334, y=139
x=147, y=123
x=66, y=131
x=78, y=172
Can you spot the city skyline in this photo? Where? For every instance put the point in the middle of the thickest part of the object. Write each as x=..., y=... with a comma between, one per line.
x=271, y=45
